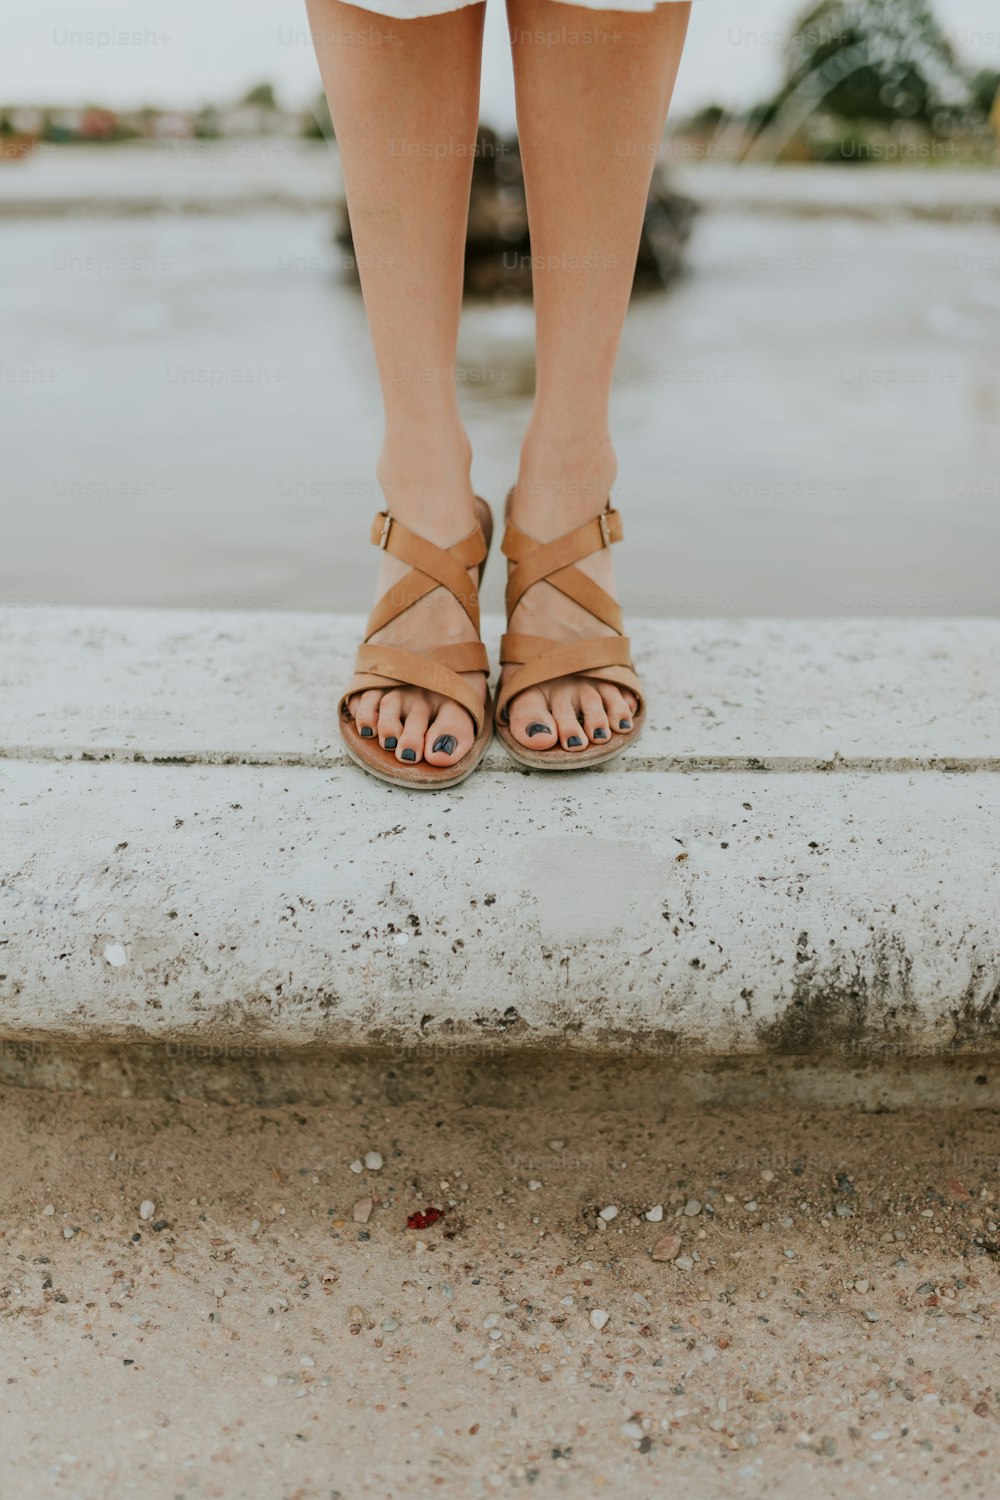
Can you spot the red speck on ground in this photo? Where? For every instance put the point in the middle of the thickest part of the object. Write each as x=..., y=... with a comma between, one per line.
x=424, y=1218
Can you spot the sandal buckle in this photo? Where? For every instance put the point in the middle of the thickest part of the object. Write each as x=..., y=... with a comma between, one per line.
x=386, y=528
x=603, y=523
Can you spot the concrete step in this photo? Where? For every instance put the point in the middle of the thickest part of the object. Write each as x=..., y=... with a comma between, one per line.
x=801, y=857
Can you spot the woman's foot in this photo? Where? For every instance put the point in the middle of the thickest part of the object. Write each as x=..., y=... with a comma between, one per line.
x=553, y=496
x=413, y=724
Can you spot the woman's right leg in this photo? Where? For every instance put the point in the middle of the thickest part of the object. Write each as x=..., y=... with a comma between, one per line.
x=404, y=99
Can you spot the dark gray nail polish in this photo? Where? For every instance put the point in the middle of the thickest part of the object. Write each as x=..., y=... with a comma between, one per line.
x=624, y=723
x=391, y=742
x=538, y=729
x=600, y=734
x=445, y=743
x=366, y=731
x=574, y=740
x=409, y=755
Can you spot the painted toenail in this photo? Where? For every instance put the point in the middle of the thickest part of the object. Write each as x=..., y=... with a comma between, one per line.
x=624, y=723
x=445, y=743
x=574, y=740
x=538, y=729
x=409, y=755
x=366, y=731
x=600, y=734
x=391, y=742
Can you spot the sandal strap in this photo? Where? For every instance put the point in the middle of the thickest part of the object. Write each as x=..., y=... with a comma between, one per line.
x=537, y=659
x=437, y=670
x=431, y=567
x=554, y=563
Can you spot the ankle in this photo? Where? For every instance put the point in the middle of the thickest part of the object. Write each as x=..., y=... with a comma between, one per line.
x=424, y=474
x=562, y=483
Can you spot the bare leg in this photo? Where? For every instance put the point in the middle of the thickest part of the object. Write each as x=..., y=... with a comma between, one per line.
x=404, y=98
x=590, y=120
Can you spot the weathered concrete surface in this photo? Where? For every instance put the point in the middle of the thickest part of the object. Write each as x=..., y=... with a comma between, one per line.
x=262, y=893
x=719, y=913
x=260, y=688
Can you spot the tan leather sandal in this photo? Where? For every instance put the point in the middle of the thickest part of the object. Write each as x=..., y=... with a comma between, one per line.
x=437, y=670
x=535, y=659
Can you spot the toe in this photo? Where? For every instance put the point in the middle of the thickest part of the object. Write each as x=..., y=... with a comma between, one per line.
x=366, y=713
x=618, y=708
x=390, y=720
x=531, y=720
x=595, y=720
x=566, y=709
x=449, y=737
x=416, y=717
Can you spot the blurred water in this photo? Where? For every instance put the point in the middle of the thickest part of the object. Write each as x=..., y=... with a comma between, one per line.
x=808, y=423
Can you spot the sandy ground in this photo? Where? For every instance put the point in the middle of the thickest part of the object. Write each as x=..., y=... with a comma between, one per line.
x=828, y=1328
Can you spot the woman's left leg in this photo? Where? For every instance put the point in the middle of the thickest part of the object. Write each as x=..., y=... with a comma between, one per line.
x=593, y=89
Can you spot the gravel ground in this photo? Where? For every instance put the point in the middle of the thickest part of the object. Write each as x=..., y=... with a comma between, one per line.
x=201, y=1299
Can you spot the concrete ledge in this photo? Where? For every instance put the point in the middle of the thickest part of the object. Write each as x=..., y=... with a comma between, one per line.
x=258, y=688
x=258, y=892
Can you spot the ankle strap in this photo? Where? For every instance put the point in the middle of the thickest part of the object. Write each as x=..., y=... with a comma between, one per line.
x=592, y=536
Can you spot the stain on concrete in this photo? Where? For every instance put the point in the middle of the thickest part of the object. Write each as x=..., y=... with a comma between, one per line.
x=976, y=1017
x=856, y=1004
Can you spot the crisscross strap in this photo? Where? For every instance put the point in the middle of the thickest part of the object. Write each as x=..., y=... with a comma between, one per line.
x=536, y=659
x=436, y=670
x=431, y=567
x=554, y=562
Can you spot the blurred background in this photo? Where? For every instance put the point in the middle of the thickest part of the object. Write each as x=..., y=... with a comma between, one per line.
x=807, y=407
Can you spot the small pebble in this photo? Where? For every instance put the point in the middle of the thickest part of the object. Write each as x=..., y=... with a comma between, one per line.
x=655, y=1214
x=609, y=1213
x=362, y=1210
x=556, y=1145
x=684, y=1263
x=692, y=1208
x=357, y=1166
x=68, y=1233
x=599, y=1318
x=871, y=1316
x=668, y=1247
x=147, y=1208
x=534, y=1185
x=49, y=1209
x=373, y=1161
x=767, y=1176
